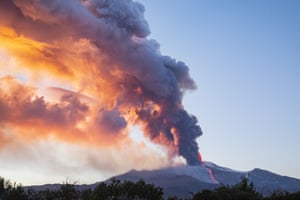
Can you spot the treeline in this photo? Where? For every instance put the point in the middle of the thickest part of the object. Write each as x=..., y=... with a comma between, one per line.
x=242, y=191
x=127, y=190
x=114, y=190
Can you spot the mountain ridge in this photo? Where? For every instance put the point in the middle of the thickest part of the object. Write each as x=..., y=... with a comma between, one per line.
x=181, y=181
x=184, y=180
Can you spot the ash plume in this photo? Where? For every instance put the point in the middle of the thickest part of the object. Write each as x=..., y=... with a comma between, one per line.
x=101, y=48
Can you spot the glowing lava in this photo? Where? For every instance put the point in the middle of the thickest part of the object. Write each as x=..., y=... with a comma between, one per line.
x=212, y=176
x=200, y=157
x=210, y=172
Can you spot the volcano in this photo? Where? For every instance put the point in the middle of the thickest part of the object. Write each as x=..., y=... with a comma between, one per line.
x=185, y=180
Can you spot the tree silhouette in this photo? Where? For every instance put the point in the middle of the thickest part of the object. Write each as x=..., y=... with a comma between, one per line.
x=243, y=190
x=117, y=190
x=9, y=191
x=127, y=190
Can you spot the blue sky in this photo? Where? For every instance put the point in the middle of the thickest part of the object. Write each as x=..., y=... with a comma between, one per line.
x=245, y=59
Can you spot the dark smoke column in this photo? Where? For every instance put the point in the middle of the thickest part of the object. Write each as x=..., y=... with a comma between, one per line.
x=188, y=131
x=179, y=129
x=128, y=64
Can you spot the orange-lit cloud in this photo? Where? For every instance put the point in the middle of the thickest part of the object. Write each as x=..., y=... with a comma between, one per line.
x=83, y=72
x=32, y=117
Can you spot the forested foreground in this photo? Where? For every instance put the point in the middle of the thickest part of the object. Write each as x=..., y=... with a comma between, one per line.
x=127, y=190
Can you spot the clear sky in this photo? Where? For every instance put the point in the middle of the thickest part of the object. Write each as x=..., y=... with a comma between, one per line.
x=245, y=59
x=76, y=82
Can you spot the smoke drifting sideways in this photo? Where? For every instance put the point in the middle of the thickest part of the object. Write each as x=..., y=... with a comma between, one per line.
x=99, y=48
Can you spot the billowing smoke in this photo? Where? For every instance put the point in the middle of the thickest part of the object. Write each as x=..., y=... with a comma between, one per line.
x=98, y=48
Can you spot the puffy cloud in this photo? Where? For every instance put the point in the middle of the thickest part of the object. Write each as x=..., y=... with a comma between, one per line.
x=104, y=75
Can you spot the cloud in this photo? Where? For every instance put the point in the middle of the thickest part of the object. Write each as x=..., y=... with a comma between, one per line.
x=104, y=76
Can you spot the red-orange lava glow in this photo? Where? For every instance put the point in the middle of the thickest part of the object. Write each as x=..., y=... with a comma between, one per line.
x=212, y=176
x=210, y=172
x=199, y=157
